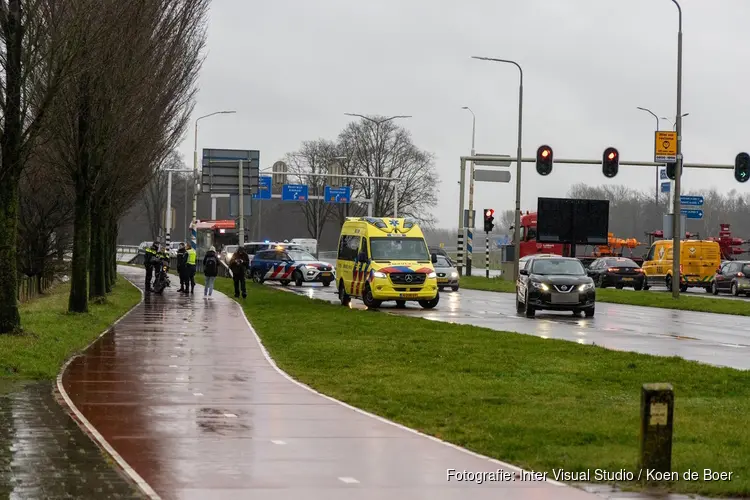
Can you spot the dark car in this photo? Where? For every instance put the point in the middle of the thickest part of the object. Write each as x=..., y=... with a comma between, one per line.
x=285, y=266
x=619, y=272
x=555, y=284
x=732, y=277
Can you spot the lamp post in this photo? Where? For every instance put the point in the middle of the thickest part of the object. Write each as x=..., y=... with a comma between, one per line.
x=469, y=241
x=168, y=211
x=378, y=123
x=193, y=236
x=676, y=236
x=656, y=193
x=674, y=124
x=516, y=228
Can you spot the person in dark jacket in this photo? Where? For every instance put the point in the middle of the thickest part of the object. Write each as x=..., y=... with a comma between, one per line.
x=150, y=259
x=181, y=267
x=239, y=265
x=210, y=271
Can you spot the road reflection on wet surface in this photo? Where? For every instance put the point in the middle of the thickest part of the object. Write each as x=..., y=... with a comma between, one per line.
x=182, y=391
x=717, y=339
x=44, y=454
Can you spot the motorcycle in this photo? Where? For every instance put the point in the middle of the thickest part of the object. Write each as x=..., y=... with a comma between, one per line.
x=162, y=277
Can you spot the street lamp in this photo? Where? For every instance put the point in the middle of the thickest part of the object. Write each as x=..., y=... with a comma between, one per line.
x=193, y=237
x=656, y=194
x=676, y=236
x=516, y=226
x=168, y=211
x=674, y=124
x=378, y=123
x=469, y=242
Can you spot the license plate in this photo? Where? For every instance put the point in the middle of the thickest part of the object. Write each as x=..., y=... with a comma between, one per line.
x=442, y=280
x=325, y=274
x=409, y=295
x=627, y=279
x=567, y=298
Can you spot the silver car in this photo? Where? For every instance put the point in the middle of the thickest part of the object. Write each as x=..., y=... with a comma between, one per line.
x=447, y=275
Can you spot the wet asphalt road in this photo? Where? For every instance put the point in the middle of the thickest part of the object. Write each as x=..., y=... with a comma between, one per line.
x=716, y=339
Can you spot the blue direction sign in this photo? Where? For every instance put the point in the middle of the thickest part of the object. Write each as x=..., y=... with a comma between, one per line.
x=663, y=174
x=294, y=192
x=337, y=194
x=693, y=201
x=665, y=187
x=264, y=188
x=692, y=213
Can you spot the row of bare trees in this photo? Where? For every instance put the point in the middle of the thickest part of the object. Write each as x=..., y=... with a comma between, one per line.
x=94, y=95
x=370, y=150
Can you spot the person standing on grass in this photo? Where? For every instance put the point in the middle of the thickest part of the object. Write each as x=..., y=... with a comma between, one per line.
x=210, y=270
x=239, y=265
x=190, y=269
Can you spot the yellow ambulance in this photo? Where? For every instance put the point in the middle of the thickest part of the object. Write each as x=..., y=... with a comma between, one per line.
x=699, y=260
x=381, y=259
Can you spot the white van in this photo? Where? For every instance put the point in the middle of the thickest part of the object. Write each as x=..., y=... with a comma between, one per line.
x=309, y=245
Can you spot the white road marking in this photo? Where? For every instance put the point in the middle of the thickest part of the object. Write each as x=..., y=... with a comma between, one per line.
x=348, y=480
x=275, y=441
x=230, y=415
x=197, y=394
x=173, y=366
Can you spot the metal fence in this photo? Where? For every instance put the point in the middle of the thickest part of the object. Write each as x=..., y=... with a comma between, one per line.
x=29, y=287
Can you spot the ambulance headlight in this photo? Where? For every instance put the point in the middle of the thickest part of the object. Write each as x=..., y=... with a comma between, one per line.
x=378, y=274
x=432, y=275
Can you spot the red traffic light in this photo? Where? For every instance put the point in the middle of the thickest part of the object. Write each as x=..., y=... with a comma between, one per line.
x=489, y=213
x=545, y=153
x=611, y=155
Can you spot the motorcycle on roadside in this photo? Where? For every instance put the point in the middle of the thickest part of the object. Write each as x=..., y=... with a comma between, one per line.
x=162, y=276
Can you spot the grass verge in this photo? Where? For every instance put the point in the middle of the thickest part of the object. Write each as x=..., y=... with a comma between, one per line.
x=628, y=297
x=51, y=334
x=541, y=404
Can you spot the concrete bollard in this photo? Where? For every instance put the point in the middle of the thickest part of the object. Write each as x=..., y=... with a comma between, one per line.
x=657, y=413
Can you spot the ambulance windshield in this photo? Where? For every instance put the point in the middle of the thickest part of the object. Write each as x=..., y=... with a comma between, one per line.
x=387, y=249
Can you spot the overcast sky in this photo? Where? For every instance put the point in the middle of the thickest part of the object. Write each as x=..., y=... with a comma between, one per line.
x=292, y=68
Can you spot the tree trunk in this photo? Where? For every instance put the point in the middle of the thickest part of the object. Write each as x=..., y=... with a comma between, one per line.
x=114, y=229
x=97, y=287
x=79, y=289
x=10, y=319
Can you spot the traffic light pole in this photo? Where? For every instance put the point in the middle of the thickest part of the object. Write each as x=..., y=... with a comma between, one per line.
x=486, y=255
x=676, y=236
x=575, y=161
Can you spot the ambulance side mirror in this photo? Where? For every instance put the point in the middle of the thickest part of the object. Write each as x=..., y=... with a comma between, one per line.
x=434, y=258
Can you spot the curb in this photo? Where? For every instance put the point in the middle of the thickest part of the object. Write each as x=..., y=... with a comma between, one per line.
x=87, y=427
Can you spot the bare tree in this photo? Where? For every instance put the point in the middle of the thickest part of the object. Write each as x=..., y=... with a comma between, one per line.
x=154, y=196
x=379, y=148
x=314, y=157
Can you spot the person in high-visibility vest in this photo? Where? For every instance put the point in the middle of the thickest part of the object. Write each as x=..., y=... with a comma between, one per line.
x=149, y=260
x=192, y=258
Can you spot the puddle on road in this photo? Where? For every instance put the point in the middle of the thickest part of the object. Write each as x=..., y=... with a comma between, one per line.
x=44, y=454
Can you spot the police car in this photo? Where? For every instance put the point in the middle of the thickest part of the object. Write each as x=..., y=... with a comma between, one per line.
x=286, y=265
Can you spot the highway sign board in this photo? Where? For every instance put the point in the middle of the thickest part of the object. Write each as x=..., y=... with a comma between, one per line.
x=294, y=192
x=665, y=146
x=693, y=201
x=492, y=175
x=493, y=162
x=264, y=188
x=221, y=171
x=692, y=213
x=279, y=170
x=666, y=187
x=663, y=174
x=341, y=194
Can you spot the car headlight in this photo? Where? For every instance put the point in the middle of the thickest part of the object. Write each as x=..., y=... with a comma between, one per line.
x=432, y=275
x=454, y=274
x=378, y=274
x=540, y=286
x=585, y=287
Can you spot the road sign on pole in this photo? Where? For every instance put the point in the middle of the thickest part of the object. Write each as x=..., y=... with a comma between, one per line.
x=489, y=162
x=665, y=187
x=337, y=194
x=663, y=174
x=665, y=146
x=492, y=176
x=693, y=201
x=279, y=169
x=294, y=192
x=692, y=213
x=221, y=171
x=264, y=188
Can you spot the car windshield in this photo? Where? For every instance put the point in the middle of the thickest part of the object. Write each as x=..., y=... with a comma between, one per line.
x=300, y=255
x=231, y=248
x=621, y=263
x=558, y=266
x=399, y=249
x=442, y=262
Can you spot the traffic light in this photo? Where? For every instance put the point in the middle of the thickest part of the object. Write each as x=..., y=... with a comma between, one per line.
x=489, y=218
x=544, y=160
x=671, y=167
x=610, y=162
x=742, y=167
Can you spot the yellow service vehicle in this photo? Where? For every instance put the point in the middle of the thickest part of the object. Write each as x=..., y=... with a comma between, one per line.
x=383, y=259
x=699, y=260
